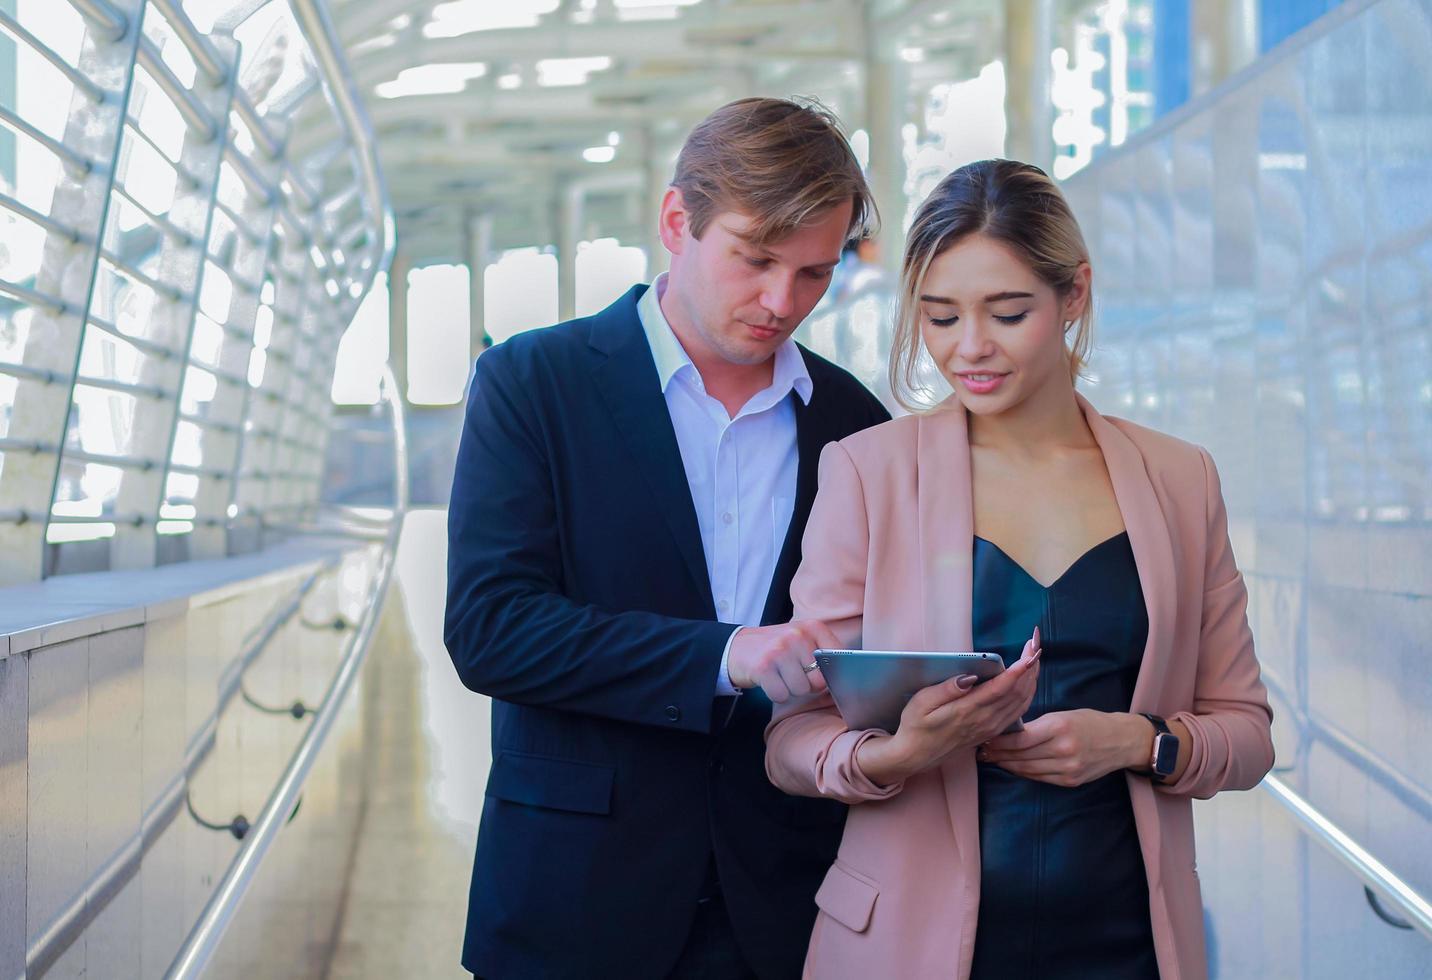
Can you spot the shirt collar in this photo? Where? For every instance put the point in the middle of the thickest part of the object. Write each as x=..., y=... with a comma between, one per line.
x=789, y=373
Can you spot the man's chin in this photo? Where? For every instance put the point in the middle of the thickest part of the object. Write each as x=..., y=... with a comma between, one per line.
x=751, y=351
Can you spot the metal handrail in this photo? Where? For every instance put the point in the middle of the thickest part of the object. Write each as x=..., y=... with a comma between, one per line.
x=123, y=864
x=200, y=47
x=61, y=150
x=44, y=220
x=77, y=78
x=194, y=113
x=203, y=939
x=1373, y=873
x=34, y=297
x=322, y=37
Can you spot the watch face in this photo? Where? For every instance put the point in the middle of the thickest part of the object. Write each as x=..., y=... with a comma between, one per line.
x=1165, y=754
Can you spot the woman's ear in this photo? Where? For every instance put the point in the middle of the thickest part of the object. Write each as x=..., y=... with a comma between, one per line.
x=1076, y=297
x=672, y=223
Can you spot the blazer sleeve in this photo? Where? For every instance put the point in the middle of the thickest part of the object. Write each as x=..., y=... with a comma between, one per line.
x=809, y=751
x=511, y=632
x=1231, y=721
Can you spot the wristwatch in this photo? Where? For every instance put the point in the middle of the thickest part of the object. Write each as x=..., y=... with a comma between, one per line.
x=1165, y=754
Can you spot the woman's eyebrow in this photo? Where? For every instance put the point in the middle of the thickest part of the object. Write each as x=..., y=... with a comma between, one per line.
x=991, y=298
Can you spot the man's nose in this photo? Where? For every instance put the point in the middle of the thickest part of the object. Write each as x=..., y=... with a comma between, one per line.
x=778, y=297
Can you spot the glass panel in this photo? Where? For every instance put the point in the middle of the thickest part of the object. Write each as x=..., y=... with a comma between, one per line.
x=208, y=340
x=102, y=422
x=111, y=358
x=363, y=350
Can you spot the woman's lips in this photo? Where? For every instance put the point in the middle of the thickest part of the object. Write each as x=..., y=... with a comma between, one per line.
x=981, y=382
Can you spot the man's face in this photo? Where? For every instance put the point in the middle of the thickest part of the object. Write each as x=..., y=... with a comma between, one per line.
x=741, y=301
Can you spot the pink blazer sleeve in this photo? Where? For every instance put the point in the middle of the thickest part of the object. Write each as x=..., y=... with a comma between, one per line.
x=809, y=751
x=1231, y=722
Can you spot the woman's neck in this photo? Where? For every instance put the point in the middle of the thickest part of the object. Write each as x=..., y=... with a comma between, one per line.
x=1048, y=421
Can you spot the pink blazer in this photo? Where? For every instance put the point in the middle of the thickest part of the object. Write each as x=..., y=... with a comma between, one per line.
x=887, y=557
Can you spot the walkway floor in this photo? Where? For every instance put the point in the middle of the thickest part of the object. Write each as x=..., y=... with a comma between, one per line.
x=407, y=898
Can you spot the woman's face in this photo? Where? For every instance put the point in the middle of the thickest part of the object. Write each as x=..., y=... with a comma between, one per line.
x=994, y=328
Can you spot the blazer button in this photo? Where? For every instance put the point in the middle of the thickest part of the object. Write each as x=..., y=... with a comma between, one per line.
x=673, y=713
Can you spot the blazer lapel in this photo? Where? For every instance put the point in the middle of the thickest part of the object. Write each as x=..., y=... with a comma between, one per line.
x=1153, y=554
x=629, y=386
x=946, y=523
x=1149, y=538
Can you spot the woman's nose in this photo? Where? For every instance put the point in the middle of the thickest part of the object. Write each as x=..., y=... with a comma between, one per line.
x=974, y=340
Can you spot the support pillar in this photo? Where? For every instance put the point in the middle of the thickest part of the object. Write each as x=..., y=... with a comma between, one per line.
x=398, y=319
x=1028, y=102
x=477, y=253
x=886, y=110
x=1224, y=39
x=566, y=222
x=656, y=177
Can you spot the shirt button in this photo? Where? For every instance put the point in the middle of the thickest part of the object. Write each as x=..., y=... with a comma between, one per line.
x=673, y=713
x=727, y=518
x=723, y=605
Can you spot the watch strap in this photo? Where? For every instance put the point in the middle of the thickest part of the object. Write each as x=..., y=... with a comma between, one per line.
x=1162, y=736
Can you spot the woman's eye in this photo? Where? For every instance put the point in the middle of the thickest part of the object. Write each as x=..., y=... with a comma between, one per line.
x=943, y=321
x=1016, y=318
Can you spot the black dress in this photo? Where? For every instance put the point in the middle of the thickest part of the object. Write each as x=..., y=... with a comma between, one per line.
x=1062, y=886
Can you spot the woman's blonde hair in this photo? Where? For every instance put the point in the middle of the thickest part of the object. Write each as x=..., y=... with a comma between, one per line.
x=1014, y=203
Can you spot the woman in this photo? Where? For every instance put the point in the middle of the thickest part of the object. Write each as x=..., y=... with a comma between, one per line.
x=1092, y=554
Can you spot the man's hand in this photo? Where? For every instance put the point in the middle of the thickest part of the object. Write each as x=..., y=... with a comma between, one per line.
x=775, y=658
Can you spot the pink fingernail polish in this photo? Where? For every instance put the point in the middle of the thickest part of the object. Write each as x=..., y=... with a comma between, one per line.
x=965, y=681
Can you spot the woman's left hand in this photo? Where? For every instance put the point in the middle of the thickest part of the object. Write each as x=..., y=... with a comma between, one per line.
x=1071, y=748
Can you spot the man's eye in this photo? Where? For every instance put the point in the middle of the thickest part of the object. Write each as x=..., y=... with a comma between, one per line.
x=758, y=263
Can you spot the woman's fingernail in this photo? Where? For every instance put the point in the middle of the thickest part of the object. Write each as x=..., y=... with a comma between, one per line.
x=1036, y=636
x=965, y=681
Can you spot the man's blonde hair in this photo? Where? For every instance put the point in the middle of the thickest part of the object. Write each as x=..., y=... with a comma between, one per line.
x=780, y=162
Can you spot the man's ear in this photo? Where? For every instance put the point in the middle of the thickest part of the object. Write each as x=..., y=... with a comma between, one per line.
x=672, y=224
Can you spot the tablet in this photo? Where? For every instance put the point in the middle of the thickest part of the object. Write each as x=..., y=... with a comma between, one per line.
x=871, y=687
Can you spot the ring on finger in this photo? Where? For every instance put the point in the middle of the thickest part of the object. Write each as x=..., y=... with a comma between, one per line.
x=810, y=667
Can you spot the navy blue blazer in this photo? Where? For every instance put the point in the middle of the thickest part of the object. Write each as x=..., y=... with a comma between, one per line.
x=578, y=599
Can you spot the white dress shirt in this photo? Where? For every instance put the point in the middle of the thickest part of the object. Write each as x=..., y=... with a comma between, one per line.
x=742, y=470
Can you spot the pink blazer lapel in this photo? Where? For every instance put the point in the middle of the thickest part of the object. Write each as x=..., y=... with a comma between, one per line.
x=946, y=527
x=1153, y=554
x=1153, y=551
x=947, y=581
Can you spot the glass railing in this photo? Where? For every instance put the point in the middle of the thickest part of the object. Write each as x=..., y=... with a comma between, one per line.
x=173, y=280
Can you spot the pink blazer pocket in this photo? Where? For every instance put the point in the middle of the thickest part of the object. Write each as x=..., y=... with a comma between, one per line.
x=847, y=897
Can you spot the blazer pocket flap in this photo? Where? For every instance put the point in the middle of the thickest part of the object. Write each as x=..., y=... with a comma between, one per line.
x=847, y=898
x=557, y=784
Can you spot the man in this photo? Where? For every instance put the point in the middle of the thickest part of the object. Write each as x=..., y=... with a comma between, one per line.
x=631, y=490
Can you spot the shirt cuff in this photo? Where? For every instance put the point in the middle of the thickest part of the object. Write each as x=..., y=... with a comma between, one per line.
x=724, y=687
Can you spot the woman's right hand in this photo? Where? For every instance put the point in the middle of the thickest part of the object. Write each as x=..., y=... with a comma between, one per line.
x=951, y=715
